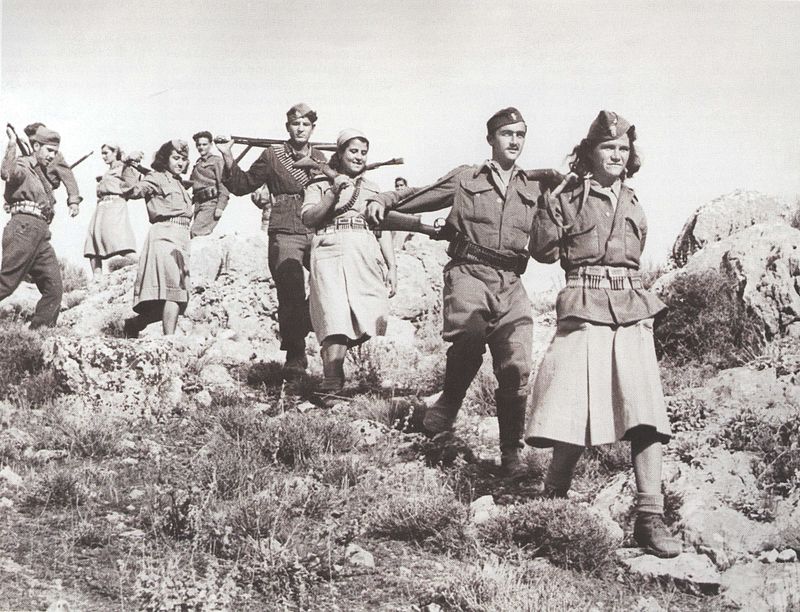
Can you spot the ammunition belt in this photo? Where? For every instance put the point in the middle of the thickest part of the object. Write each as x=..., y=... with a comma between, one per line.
x=463, y=249
x=26, y=207
x=604, y=277
x=344, y=224
x=182, y=221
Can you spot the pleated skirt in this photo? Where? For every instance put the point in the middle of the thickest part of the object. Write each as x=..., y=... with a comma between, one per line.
x=595, y=384
x=348, y=294
x=163, y=267
x=110, y=231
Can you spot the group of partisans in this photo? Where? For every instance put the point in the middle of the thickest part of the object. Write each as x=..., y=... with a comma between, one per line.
x=598, y=382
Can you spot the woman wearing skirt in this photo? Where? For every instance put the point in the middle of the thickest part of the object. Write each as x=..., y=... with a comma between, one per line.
x=161, y=291
x=599, y=382
x=349, y=301
x=110, y=230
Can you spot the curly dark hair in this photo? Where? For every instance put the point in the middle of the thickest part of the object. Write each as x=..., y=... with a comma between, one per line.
x=335, y=161
x=580, y=163
x=161, y=158
x=203, y=134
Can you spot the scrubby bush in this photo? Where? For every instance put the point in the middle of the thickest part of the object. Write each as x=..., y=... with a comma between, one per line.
x=431, y=516
x=775, y=444
x=180, y=584
x=72, y=276
x=707, y=323
x=21, y=356
x=265, y=374
x=298, y=439
x=58, y=486
x=117, y=263
x=687, y=413
x=567, y=534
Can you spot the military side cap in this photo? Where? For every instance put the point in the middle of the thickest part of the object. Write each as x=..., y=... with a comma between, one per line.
x=610, y=126
x=46, y=136
x=301, y=110
x=180, y=147
x=503, y=117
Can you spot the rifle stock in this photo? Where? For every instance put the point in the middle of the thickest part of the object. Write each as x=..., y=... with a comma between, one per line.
x=404, y=222
x=308, y=163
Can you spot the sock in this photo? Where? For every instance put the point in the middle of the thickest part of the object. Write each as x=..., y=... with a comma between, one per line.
x=651, y=503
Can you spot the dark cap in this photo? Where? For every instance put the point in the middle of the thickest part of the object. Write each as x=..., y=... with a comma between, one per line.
x=46, y=136
x=180, y=147
x=610, y=126
x=301, y=110
x=503, y=117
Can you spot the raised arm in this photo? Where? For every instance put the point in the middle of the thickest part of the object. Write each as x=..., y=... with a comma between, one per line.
x=318, y=204
x=10, y=158
x=60, y=170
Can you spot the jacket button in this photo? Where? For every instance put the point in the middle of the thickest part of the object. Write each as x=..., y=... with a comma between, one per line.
x=499, y=200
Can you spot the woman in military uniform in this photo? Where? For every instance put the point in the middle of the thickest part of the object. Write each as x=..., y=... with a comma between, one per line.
x=349, y=300
x=599, y=382
x=161, y=291
x=110, y=231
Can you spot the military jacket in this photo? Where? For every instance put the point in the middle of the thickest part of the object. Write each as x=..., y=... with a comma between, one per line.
x=164, y=195
x=586, y=229
x=208, y=172
x=286, y=188
x=118, y=179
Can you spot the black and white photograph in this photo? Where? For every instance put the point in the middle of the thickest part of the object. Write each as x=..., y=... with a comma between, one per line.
x=420, y=306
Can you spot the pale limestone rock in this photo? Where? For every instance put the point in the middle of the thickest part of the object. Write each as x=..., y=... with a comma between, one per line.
x=690, y=571
x=369, y=432
x=355, y=555
x=755, y=586
x=483, y=509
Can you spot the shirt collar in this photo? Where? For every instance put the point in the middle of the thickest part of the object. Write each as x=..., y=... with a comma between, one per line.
x=492, y=166
x=612, y=192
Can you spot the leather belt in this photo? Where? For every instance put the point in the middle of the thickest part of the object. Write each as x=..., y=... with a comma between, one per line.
x=463, y=249
x=605, y=277
x=108, y=198
x=344, y=224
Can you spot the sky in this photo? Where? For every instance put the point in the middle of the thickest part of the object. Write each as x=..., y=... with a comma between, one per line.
x=712, y=87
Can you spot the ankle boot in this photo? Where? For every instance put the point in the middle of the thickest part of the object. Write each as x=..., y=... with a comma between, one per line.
x=511, y=423
x=463, y=362
x=650, y=532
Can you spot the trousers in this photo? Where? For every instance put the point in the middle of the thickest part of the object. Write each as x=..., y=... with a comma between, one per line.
x=27, y=250
x=288, y=255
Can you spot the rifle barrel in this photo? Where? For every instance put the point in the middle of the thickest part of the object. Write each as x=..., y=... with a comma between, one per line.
x=266, y=142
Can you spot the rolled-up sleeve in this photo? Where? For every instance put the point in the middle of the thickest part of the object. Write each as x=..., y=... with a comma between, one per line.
x=241, y=183
x=312, y=197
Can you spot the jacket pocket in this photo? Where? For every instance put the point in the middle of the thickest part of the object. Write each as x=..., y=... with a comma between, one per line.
x=582, y=245
x=479, y=202
x=633, y=240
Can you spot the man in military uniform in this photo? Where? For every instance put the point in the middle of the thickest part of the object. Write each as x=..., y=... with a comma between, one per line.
x=58, y=171
x=26, y=238
x=209, y=194
x=289, y=238
x=484, y=301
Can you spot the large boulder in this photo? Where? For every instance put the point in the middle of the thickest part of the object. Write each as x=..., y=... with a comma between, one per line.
x=764, y=261
x=419, y=274
x=728, y=215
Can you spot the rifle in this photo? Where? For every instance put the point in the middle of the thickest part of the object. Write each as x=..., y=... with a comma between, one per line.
x=393, y=220
x=23, y=146
x=89, y=154
x=267, y=142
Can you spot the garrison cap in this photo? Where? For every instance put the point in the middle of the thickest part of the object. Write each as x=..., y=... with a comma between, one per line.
x=610, y=126
x=503, y=117
x=301, y=109
x=347, y=135
x=46, y=136
x=180, y=147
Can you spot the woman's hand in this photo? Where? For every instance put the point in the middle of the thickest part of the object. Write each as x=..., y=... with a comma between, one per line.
x=391, y=281
x=375, y=213
x=342, y=181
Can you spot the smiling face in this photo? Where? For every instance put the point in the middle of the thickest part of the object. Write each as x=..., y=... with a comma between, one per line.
x=608, y=159
x=44, y=153
x=507, y=142
x=354, y=156
x=300, y=130
x=176, y=162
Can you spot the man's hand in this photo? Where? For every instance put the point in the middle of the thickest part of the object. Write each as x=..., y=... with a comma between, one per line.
x=376, y=211
x=217, y=214
x=224, y=144
x=342, y=181
x=12, y=136
x=74, y=209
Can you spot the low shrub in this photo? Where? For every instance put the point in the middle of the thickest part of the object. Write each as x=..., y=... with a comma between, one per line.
x=431, y=516
x=567, y=534
x=687, y=413
x=707, y=323
x=265, y=374
x=58, y=486
x=299, y=439
x=776, y=446
x=117, y=263
x=480, y=395
x=21, y=356
x=73, y=276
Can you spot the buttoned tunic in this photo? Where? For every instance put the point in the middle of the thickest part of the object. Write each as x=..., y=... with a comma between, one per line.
x=483, y=305
x=208, y=192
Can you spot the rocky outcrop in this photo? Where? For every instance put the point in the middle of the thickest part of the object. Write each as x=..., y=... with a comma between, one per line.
x=725, y=216
x=764, y=262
